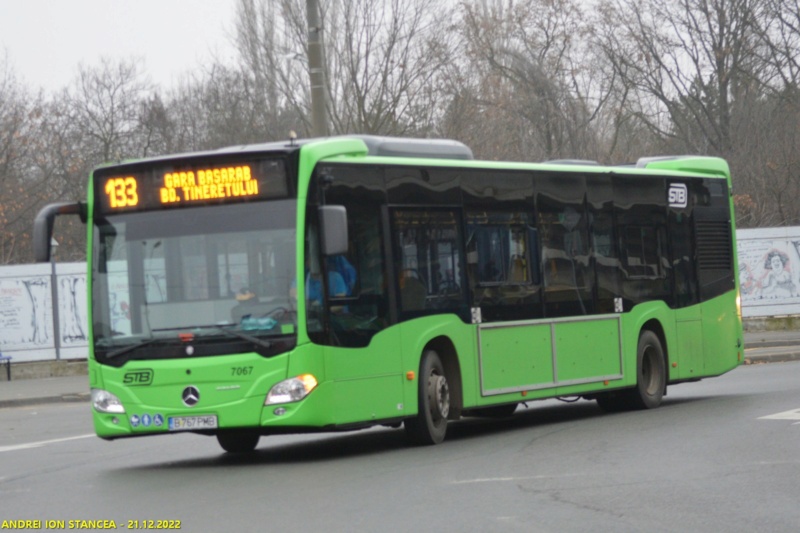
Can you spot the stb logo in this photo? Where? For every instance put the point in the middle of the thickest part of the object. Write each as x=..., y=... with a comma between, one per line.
x=143, y=376
x=678, y=196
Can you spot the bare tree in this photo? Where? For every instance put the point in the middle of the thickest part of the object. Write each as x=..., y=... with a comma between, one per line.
x=779, y=31
x=17, y=191
x=106, y=103
x=688, y=62
x=382, y=59
x=530, y=59
x=515, y=79
x=99, y=118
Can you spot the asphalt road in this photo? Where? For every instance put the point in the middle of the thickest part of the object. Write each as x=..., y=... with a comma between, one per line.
x=707, y=460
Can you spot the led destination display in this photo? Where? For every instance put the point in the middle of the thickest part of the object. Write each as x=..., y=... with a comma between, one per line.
x=163, y=186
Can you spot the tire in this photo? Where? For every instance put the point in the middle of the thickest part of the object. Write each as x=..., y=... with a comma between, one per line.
x=651, y=379
x=651, y=373
x=238, y=441
x=430, y=424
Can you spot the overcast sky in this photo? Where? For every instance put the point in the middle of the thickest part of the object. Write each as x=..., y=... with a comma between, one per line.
x=45, y=40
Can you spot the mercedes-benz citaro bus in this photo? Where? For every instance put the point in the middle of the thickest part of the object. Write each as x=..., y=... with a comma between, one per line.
x=341, y=283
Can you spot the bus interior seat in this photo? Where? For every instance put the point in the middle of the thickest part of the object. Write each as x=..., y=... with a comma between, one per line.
x=413, y=294
x=518, y=271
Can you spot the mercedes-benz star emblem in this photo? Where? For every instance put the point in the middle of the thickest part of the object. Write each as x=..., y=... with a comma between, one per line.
x=190, y=396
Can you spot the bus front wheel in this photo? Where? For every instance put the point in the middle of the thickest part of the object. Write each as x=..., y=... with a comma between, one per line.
x=430, y=424
x=238, y=441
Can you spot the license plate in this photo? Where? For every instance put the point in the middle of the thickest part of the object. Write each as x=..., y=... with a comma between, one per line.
x=188, y=423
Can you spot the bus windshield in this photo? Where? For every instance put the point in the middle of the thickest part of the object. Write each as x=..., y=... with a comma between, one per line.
x=200, y=273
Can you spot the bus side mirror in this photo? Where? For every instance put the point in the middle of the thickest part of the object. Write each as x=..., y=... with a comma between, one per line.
x=43, y=226
x=333, y=221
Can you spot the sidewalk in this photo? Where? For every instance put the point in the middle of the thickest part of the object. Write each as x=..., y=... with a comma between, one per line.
x=44, y=390
x=761, y=347
x=771, y=339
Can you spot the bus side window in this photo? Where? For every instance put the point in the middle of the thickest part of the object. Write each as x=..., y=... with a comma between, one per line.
x=641, y=224
x=501, y=250
x=644, y=267
x=566, y=267
x=498, y=248
x=428, y=260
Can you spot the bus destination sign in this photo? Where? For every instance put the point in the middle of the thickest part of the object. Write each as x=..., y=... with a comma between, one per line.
x=165, y=187
x=208, y=184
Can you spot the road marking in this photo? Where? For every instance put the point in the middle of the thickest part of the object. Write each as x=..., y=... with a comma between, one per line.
x=506, y=479
x=41, y=443
x=794, y=414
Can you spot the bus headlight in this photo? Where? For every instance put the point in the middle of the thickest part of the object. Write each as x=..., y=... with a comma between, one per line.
x=291, y=390
x=105, y=402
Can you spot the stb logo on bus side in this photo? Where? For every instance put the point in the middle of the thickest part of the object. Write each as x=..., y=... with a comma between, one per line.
x=143, y=376
x=678, y=195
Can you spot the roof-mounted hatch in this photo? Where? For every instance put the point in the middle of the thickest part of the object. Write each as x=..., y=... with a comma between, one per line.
x=410, y=147
x=687, y=163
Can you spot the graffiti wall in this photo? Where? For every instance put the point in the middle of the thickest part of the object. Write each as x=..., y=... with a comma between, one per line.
x=25, y=317
x=29, y=329
x=769, y=271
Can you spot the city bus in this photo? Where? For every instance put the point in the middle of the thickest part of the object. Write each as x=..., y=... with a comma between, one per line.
x=342, y=283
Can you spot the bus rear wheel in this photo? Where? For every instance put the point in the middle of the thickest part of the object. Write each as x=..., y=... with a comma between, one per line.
x=651, y=372
x=238, y=441
x=430, y=424
x=651, y=379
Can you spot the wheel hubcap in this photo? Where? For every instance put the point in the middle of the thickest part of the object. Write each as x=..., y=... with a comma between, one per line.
x=439, y=394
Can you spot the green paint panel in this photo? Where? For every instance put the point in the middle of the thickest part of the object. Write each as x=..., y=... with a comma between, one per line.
x=587, y=349
x=367, y=382
x=375, y=398
x=516, y=357
x=723, y=345
x=689, y=334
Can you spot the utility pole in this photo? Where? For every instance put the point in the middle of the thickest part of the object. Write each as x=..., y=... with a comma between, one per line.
x=316, y=71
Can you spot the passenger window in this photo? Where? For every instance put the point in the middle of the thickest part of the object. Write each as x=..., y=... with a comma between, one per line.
x=498, y=248
x=502, y=264
x=641, y=216
x=429, y=262
x=643, y=249
x=567, y=272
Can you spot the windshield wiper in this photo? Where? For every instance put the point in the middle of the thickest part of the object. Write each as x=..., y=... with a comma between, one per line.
x=127, y=349
x=234, y=333
x=245, y=336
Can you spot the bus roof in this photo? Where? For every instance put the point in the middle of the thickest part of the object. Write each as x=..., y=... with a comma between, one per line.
x=402, y=148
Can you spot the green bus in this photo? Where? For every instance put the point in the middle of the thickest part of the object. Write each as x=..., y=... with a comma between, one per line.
x=347, y=282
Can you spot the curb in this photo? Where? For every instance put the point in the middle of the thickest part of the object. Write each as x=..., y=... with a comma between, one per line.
x=785, y=357
x=768, y=344
x=24, y=370
x=64, y=398
x=791, y=353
